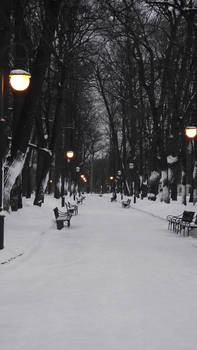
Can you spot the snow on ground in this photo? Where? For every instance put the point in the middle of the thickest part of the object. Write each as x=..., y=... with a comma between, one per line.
x=117, y=279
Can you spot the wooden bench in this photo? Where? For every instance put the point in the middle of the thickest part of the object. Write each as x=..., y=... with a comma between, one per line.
x=181, y=223
x=80, y=199
x=72, y=208
x=61, y=217
x=127, y=203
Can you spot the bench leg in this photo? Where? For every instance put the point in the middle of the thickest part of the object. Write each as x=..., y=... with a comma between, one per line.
x=60, y=224
x=68, y=223
x=188, y=228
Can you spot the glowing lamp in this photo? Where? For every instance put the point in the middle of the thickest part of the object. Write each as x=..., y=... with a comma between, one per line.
x=69, y=154
x=111, y=178
x=83, y=178
x=191, y=132
x=19, y=79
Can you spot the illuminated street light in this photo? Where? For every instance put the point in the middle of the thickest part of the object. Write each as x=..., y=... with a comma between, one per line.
x=191, y=132
x=84, y=179
x=19, y=79
x=69, y=154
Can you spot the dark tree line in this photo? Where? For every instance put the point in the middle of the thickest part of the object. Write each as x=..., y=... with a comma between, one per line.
x=54, y=40
x=146, y=76
x=123, y=68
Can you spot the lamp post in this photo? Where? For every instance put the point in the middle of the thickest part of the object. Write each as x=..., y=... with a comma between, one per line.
x=191, y=134
x=111, y=178
x=19, y=80
x=120, y=182
x=77, y=178
x=84, y=180
x=131, y=168
x=69, y=155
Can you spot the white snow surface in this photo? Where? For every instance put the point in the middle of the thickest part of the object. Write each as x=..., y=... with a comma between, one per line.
x=117, y=279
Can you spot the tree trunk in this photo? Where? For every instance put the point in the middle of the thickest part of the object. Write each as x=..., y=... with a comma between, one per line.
x=14, y=168
x=16, y=195
x=43, y=166
x=165, y=185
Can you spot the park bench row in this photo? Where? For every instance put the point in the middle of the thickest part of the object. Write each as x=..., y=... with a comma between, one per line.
x=182, y=223
x=125, y=203
x=80, y=199
x=62, y=217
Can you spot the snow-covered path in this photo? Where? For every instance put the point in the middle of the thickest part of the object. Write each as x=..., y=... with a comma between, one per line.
x=115, y=280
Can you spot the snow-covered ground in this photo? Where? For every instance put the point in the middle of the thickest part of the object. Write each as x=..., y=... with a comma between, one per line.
x=117, y=279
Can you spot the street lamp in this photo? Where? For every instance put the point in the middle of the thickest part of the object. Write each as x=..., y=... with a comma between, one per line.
x=113, y=185
x=119, y=172
x=77, y=175
x=84, y=179
x=69, y=155
x=19, y=80
x=131, y=168
x=191, y=134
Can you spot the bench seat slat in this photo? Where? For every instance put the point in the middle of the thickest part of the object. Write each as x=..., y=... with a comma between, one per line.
x=64, y=218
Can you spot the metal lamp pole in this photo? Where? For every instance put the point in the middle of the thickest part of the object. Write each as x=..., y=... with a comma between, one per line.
x=69, y=156
x=131, y=167
x=77, y=174
x=120, y=183
x=191, y=134
x=19, y=81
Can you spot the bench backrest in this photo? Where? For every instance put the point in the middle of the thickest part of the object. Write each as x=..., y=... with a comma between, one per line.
x=70, y=205
x=188, y=216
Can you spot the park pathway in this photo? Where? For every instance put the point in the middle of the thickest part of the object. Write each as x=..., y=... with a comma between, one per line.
x=115, y=280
